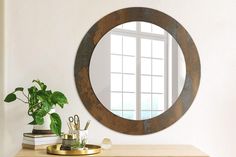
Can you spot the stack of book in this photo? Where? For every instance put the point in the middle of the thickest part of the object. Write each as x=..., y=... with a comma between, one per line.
x=36, y=141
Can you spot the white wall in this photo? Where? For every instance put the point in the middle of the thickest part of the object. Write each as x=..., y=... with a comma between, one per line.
x=42, y=38
x=1, y=74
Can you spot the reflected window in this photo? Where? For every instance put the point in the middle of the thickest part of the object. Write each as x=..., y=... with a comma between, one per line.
x=137, y=56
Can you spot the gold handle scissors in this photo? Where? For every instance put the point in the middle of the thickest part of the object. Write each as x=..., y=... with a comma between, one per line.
x=75, y=119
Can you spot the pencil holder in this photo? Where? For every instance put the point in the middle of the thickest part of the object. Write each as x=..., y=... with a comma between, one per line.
x=81, y=139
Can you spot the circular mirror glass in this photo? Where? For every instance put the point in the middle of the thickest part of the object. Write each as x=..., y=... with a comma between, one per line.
x=137, y=70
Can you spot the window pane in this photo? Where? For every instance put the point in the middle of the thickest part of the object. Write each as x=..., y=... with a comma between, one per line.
x=146, y=27
x=158, y=48
x=146, y=101
x=146, y=66
x=129, y=64
x=158, y=67
x=116, y=82
x=146, y=47
x=119, y=26
x=145, y=83
x=129, y=115
x=116, y=44
x=129, y=83
x=116, y=63
x=158, y=101
x=157, y=84
x=156, y=113
x=130, y=26
x=129, y=101
x=118, y=113
x=129, y=45
x=145, y=114
x=157, y=30
x=116, y=101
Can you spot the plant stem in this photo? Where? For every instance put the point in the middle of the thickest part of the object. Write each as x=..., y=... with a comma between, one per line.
x=30, y=114
x=35, y=105
x=25, y=95
x=22, y=101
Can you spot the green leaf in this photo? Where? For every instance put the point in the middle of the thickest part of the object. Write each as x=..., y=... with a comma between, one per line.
x=33, y=95
x=46, y=106
x=40, y=113
x=19, y=89
x=41, y=95
x=48, y=92
x=32, y=90
x=38, y=117
x=59, y=98
x=55, y=123
x=39, y=120
x=10, y=97
x=41, y=84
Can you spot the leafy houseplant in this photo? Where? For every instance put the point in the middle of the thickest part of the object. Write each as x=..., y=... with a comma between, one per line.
x=41, y=101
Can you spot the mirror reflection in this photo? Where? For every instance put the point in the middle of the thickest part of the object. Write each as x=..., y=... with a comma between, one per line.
x=137, y=70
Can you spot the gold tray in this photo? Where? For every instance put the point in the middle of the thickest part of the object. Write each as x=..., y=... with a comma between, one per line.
x=92, y=149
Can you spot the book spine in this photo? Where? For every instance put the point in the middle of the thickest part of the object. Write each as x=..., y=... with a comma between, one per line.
x=41, y=139
x=41, y=142
x=35, y=147
x=39, y=135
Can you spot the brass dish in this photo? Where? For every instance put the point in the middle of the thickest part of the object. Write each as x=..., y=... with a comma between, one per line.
x=91, y=149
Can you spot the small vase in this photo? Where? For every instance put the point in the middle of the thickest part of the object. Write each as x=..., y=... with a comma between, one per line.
x=45, y=127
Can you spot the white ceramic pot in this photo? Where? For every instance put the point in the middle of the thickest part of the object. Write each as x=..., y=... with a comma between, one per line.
x=45, y=127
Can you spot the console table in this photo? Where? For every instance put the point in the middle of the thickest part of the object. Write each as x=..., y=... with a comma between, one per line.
x=132, y=151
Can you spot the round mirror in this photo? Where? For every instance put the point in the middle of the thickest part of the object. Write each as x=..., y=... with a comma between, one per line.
x=137, y=70
x=130, y=72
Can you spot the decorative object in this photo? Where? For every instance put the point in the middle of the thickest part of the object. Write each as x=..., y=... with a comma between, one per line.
x=93, y=104
x=90, y=149
x=106, y=143
x=68, y=140
x=41, y=102
x=77, y=138
x=74, y=141
x=81, y=139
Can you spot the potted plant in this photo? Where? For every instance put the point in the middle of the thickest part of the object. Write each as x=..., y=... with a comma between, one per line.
x=41, y=103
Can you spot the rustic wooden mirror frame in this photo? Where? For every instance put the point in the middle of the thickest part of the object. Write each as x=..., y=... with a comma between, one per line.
x=97, y=109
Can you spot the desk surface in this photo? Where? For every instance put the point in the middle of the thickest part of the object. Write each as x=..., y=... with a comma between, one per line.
x=132, y=151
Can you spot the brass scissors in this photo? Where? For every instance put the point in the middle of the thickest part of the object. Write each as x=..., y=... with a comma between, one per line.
x=75, y=119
